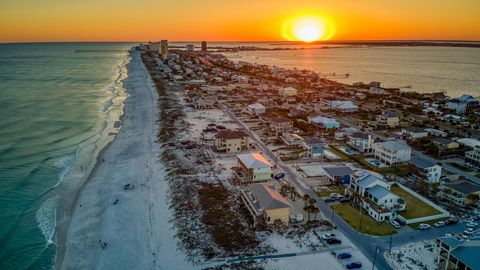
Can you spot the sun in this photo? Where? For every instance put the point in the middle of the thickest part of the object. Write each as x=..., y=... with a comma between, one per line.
x=307, y=28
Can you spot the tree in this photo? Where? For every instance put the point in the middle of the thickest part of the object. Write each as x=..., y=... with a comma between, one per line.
x=473, y=198
x=312, y=201
x=315, y=211
x=305, y=198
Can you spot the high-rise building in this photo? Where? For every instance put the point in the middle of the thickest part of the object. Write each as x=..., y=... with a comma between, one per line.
x=204, y=46
x=190, y=47
x=164, y=48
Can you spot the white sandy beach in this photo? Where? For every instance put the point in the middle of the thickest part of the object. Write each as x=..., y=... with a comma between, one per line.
x=133, y=223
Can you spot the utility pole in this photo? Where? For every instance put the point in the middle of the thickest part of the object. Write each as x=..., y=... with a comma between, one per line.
x=390, y=248
x=333, y=214
x=361, y=216
x=375, y=258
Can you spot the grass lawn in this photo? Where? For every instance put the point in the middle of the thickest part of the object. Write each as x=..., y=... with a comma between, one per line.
x=415, y=207
x=369, y=226
x=460, y=167
x=431, y=222
x=326, y=193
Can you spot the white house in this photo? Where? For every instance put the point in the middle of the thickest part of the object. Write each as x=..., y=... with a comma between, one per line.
x=426, y=169
x=256, y=109
x=343, y=106
x=324, y=122
x=392, y=152
x=313, y=147
x=388, y=119
x=361, y=141
x=414, y=132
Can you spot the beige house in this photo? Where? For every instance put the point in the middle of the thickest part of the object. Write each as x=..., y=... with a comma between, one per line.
x=255, y=167
x=231, y=141
x=265, y=204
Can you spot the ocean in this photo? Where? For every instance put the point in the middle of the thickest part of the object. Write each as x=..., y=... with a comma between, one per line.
x=58, y=106
x=424, y=69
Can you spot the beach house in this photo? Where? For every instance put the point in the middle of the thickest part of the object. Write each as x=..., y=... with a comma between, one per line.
x=472, y=158
x=256, y=109
x=313, y=147
x=231, y=141
x=460, y=192
x=456, y=254
x=392, y=152
x=388, y=119
x=426, y=170
x=461, y=103
x=361, y=141
x=255, y=167
x=324, y=122
x=265, y=204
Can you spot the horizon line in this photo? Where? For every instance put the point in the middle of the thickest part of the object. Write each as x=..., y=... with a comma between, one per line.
x=246, y=41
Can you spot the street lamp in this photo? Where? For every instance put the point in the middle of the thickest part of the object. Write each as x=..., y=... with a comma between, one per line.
x=375, y=258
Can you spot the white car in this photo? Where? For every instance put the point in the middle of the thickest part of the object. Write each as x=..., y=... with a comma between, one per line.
x=448, y=235
x=335, y=195
x=423, y=226
x=472, y=224
x=328, y=236
x=395, y=224
x=439, y=224
x=469, y=231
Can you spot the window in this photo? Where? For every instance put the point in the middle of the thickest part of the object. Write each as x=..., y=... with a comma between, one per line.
x=268, y=219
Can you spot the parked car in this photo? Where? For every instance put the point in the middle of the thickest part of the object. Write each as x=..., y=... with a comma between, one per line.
x=472, y=224
x=345, y=200
x=335, y=195
x=448, y=235
x=333, y=241
x=328, y=236
x=354, y=265
x=469, y=231
x=423, y=226
x=451, y=221
x=296, y=218
x=468, y=220
x=329, y=200
x=344, y=255
x=395, y=224
x=439, y=224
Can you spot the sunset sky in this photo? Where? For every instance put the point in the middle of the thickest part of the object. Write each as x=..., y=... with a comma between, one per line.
x=246, y=20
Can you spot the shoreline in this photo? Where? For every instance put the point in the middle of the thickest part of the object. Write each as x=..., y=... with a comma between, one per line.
x=120, y=216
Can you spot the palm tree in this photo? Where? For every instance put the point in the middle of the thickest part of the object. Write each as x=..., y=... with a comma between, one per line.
x=312, y=201
x=315, y=211
x=473, y=198
x=305, y=198
x=308, y=209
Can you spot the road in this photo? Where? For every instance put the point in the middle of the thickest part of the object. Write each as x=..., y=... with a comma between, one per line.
x=365, y=243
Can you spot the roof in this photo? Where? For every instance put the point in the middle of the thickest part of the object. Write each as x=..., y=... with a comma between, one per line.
x=254, y=160
x=466, y=98
x=422, y=163
x=379, y=192
x=367, y=180
x=231, y=134
x=463, y=186
x=256, y=106
x=389, y=115
x=442, y=140
x=394, y=145
x=339, y=171
x=415, y=130
x=468, y=142
x=361, y=135
x=450, y=241
x=268, y=197
x=468, y=252
x=324, y=120
x=312, y=141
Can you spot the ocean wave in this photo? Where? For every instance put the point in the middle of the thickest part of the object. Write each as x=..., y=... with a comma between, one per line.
x=64, y=165
x=47, y=218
